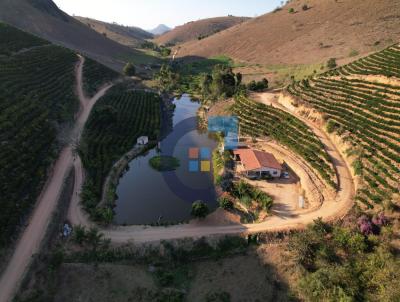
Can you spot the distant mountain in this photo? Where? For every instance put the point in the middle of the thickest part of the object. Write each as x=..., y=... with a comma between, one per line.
x=159, y=30
x=299, y=34
x=200, y=29
x=45, y=19
x=126, y=35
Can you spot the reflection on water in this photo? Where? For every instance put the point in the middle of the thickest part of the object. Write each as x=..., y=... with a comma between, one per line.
x=145, y=195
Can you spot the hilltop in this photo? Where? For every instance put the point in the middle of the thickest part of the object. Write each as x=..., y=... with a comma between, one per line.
x=45, y=19
x=159, y=30
x=197, y=30
x=126, y=35
x=293, y=35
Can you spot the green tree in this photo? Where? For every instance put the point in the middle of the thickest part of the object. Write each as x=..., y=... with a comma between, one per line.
x=199, y=209
x=129, y=70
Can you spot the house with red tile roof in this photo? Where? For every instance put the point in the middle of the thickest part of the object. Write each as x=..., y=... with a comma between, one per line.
x=253, y=162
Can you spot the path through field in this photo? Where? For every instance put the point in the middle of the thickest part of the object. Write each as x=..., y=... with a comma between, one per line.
x=29, y=243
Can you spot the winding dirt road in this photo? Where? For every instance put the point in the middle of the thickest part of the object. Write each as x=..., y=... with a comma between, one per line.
x=332, y=208
x=29, y=243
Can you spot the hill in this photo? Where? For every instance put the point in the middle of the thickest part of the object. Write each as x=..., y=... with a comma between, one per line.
x=198, y=30
x=293, y=35
x=38, y=104
x=45, y=19
x=160, y=29
x=126, y=35
x=359, y=103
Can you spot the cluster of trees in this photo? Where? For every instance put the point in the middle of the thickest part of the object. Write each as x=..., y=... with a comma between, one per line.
x=167, y=78
x=221, y=83
x=115, y=123
x=342, y=264
x=164, y=51
x=36, y=99
x=258, y=86
x=247, y=194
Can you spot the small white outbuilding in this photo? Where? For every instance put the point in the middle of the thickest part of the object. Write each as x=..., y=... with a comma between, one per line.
x=143, y=140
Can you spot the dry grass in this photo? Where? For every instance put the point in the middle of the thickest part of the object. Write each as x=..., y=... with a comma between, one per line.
x=328, y=29
x=202, y=28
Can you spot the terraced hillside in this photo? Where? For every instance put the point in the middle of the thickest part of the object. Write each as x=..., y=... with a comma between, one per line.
x=259, y=120
x=361, y=102
x=36, y=99
x=117, y=120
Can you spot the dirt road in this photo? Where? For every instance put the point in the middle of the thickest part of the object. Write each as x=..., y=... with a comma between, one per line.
x=332, y=208
x=29, y=243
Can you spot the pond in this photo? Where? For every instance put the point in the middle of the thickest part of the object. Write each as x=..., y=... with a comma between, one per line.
x=147, y=196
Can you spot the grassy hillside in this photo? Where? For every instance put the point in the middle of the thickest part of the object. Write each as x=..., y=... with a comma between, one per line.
x=117, y=120
x=125, y=35
x=198, y=30
x=360, y=102
x=37, y=100
x=45, y=19
x=322, y=30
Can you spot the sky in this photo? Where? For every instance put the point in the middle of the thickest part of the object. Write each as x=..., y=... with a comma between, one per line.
x=147, y=14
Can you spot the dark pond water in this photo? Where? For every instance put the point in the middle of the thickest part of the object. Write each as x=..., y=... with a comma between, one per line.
x=145, y=195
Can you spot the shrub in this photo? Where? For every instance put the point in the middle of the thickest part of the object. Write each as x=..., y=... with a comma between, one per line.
x=380, y=220
x=79, y=235
x=331, y=63
x=225, y=203
x=199, y=209
x=353, y=53
x=291, y=10
x=365, y=225
x=129, y=70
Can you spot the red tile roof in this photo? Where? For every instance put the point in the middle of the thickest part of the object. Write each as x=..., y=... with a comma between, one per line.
x=254, y=159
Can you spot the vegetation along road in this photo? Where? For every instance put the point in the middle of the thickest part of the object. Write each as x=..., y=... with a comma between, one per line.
x=29, y=243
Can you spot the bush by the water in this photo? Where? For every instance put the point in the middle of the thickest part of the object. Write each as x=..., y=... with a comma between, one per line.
x=199, y=209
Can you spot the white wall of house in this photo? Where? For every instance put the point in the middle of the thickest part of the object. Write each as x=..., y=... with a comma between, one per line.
x=273, y=172
x=143, y=140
